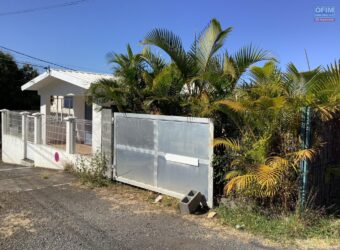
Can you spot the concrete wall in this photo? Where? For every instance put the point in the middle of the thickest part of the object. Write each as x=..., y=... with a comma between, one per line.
x=43, y=155
x=12, y=149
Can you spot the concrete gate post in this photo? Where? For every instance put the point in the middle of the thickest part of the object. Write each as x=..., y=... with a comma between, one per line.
x=4, y=121
x=24, y=130
x=70, y=135
x=37, y=128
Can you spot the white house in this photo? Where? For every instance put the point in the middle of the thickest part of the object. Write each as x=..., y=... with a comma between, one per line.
x=65, y=127
x=63, y=94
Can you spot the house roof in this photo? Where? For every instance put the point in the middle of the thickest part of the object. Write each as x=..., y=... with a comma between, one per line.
x=78, y=78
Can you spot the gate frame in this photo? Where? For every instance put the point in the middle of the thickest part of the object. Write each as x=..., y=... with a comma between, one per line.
x=165, y=118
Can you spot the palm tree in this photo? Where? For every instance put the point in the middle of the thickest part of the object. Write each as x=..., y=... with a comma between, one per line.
x=204, y=70
x=267, y=111
x=133, y=74
x=188, y=85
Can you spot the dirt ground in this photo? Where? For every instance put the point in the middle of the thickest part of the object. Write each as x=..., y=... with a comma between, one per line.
x=46, y=209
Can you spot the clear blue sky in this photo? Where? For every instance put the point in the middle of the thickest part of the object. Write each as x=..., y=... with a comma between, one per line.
x=80, y=36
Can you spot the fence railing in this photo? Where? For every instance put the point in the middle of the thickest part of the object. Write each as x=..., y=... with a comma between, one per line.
x=14, y=124
x=55, y=132
x=83, y=129
x=30, y=129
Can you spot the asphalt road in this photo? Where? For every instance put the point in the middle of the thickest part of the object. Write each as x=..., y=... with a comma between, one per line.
x=44, y=209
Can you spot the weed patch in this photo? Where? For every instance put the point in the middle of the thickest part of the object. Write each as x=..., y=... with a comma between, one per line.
x=283, y=228
x=91, y=171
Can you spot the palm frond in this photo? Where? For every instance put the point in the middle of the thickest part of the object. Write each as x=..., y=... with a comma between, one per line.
x=234, y=105
x=108, y=92
x=227, y=143
x=303, y=154
x=209, y=42
x=239, y=183
x=232, y=174
x=171, y=44
x=247, y=56
x=156, y=62
x=268, y=176
x=277, y=161
x=229, y=66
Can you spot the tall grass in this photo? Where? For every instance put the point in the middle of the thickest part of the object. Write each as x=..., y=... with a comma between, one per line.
x=281, y=227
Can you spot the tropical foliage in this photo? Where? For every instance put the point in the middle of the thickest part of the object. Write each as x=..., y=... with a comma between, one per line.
x=256, y=110
x=267, y=111
x=188, y=84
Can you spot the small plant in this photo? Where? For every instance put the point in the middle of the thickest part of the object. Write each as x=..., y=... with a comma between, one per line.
x=280, y=226
x=69, y=167
x=170, y=202
x=92, y=171
x=44, y=176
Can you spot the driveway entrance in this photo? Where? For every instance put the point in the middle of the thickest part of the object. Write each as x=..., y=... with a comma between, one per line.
x=46, y=209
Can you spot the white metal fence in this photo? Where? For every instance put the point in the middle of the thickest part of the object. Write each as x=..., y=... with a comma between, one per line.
x=55, y=132
x=30, y=129
x=14, y=124
x=83, y=129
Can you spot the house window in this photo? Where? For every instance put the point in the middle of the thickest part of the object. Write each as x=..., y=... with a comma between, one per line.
x=68, y=102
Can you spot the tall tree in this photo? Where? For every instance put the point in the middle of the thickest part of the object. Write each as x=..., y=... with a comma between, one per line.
x=206, y=74
x=12, y=78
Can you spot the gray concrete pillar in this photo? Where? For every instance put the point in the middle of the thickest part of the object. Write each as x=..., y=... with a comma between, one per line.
x=107, y=139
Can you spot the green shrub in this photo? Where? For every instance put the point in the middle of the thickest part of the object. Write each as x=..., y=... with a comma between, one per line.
x=92, y=171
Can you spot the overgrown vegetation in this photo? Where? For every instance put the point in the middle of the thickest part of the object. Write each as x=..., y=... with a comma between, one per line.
x=267, y=111
x=256, y=111
x=187, y=85
x=91, y=171
x=278, y=226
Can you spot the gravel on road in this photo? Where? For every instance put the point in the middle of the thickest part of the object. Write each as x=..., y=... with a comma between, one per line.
x=46, y=209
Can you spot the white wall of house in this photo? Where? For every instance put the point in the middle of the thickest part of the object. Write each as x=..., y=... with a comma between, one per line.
x=79, y=106
x=57, y=106
x=78, y=109
x=58, y=90
x=61, y=88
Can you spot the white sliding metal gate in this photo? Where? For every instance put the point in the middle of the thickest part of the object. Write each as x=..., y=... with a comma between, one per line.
x=166, y=154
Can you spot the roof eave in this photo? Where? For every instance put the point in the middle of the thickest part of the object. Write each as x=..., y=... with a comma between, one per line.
x=30, y=85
